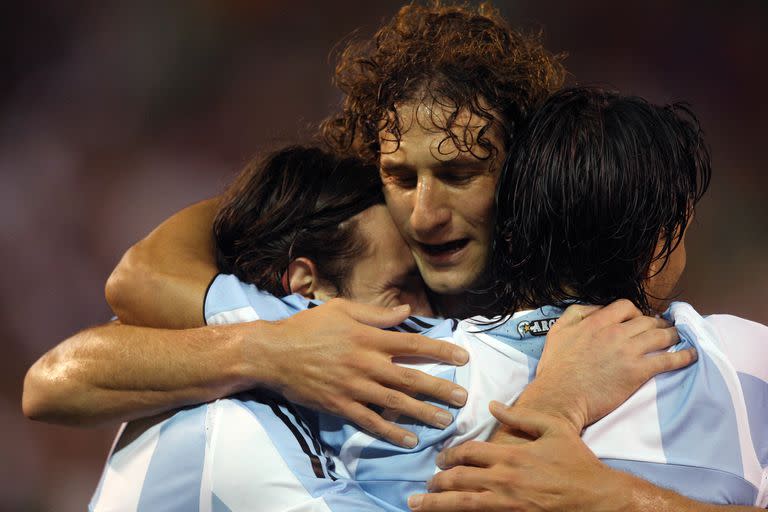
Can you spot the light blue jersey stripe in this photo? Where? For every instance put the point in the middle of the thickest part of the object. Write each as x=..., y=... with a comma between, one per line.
x=701, y=484
x=756, y=395
x=696, y=415
x=176, y=467
x=217, y=505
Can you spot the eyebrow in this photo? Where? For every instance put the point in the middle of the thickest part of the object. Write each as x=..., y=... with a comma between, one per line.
x=459, y=162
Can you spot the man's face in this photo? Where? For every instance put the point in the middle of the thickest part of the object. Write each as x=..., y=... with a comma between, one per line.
x=441, y=198
x=386, y=274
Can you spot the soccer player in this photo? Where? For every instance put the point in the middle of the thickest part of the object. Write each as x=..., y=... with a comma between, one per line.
x=301, y=221
x=594, y=204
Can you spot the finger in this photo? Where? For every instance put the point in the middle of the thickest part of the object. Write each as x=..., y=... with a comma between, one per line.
x=470, y=453
x=406, y=405
x=416, y=345
x=415, y=382
x=656, y=339
x=531, y=422
x=461, y=478
x=378, y=426
x=669, y=361
x=641, y=324
x=452, y=501
x=375, y=316
x=574, y=314
x=616, y=312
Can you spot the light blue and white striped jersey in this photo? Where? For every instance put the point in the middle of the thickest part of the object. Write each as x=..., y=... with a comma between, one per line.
x=701, y=431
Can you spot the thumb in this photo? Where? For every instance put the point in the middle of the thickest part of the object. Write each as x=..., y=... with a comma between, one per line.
x=377, y=316
x=531, y=422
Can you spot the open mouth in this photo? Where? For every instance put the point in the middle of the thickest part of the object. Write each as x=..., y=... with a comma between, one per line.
x=446, y=248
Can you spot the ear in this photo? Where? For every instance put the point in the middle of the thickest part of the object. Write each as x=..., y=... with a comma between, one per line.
x=303, y=277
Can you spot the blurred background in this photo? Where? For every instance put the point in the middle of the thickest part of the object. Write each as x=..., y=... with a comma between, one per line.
x=113, y=115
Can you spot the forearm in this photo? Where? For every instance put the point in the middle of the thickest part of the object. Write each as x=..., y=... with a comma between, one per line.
x=579, y=480
x=120, y=372
x=161, y=280
x=548, y=397
x=633, y=494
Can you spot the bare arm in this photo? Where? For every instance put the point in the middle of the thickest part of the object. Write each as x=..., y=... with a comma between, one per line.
x=121, y=372
x=333, y=358
x=555, y=471
x=161, y=280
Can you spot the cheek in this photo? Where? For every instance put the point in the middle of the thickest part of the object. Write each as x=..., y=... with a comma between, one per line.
x=483, y=204
x=399, y=206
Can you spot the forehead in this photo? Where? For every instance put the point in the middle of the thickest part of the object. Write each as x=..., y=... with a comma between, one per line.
x=432, y=129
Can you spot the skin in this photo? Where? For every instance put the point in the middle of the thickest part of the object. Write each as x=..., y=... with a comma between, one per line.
x=441, y=196
x=663, y=276
x=386, y=274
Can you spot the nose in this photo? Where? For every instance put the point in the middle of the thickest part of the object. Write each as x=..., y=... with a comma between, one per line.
x=432, y=210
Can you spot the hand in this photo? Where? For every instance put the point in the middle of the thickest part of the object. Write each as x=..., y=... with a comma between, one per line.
x=556, y=471
x=595, y=358
x=335, y=358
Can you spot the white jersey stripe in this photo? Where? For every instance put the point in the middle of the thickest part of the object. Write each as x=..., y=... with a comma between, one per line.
x=610, y=438
x=245, y=314
x=124, y=474
x=177, y=464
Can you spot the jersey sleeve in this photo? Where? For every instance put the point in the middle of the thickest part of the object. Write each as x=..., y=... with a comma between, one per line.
x=229, y=300
x=745, y=344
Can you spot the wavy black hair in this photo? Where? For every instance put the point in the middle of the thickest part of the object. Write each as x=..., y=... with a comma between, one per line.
x=298, y=201
x=593, y=183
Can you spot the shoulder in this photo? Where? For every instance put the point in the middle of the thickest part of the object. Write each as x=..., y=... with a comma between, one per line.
x=744, y=342
x=229, y=300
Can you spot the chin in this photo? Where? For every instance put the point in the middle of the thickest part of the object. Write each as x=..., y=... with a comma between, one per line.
x=453, y=282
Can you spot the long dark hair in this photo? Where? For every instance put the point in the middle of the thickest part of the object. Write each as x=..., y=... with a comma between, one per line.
x=591, y=185
x=298, y=201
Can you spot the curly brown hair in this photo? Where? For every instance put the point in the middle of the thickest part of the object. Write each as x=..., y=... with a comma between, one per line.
x=466, y=58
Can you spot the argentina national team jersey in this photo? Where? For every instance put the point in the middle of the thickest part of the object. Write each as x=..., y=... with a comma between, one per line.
x=700, y=431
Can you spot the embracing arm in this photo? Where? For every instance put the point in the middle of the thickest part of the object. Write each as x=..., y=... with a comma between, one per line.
x=161, y=280
x=122, y=372
x=554, y=472
x=333, y=358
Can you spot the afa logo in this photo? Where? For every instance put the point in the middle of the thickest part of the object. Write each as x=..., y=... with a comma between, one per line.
x=536, y=327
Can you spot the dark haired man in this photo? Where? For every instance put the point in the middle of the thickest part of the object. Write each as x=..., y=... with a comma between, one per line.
x=594, y=204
